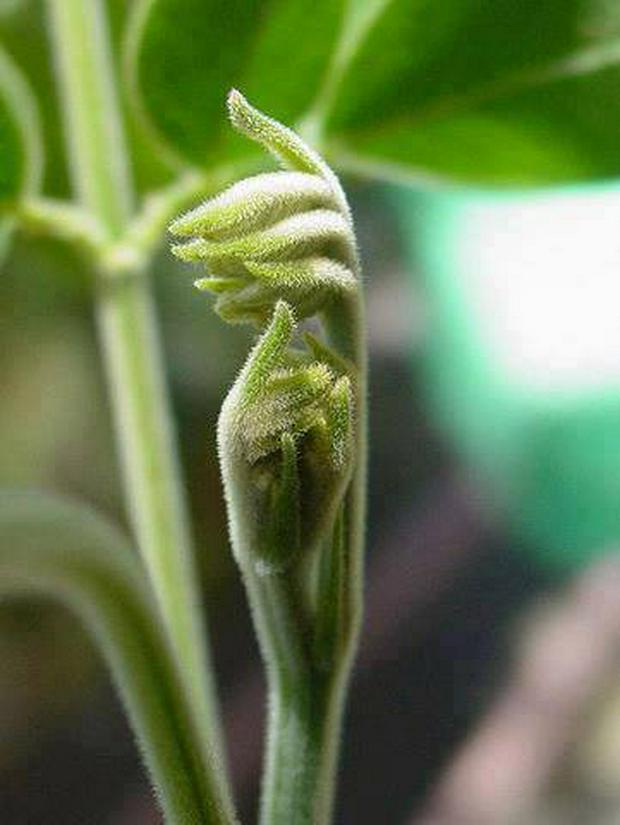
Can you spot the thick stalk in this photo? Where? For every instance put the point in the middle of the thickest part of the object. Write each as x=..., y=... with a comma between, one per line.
x=127, y=327
x=131, y=349
x=292, y=754
x=305, y=718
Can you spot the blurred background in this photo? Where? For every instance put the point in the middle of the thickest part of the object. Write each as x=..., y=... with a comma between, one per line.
x=487, y=690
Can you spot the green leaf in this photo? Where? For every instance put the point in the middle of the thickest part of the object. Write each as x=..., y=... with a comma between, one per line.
x=51, y=547
x=182, y=57
x=498, y=91
x=20, y=135
x=9, y=6
x=21, y=153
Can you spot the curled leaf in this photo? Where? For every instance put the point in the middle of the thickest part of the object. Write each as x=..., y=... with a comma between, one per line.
x=253, y=204
x=278, y=248
x=279, y=235
x=287, y=426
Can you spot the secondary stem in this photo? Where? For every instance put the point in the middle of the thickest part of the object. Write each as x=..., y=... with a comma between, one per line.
x=131, y=349
x=344, y=327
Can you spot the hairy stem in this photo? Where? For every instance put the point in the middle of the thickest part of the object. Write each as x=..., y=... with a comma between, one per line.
x=131, y=350
x=291, y=756
x=307, y=702
x=344, y=325
x=306, y=716
x=306, y=693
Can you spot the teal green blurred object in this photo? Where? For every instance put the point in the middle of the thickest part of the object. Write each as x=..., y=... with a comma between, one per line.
x=523, y=352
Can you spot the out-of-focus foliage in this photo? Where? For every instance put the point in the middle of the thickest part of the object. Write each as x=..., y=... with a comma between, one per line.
x=492, y=91
x=20, y=148
x=183, y=57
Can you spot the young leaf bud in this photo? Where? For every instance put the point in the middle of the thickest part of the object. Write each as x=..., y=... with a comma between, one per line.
x=278, y=247
x=285, y=436
x=284, y=234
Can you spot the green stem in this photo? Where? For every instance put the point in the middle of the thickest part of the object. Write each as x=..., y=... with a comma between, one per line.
x=135, y=374
x=290, y=757
x=131, y=349
x=305, y=707
x=306, y=694
x=65, y=221
x=93, y=126
x=313, y=707
x=344, y=326
x=292, y=753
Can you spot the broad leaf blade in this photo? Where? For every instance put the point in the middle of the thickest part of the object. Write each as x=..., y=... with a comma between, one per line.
x=495, y=91
x=182, y=57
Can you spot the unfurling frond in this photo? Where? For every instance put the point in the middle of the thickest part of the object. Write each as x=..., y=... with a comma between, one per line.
x=280, y=235
x=277, y=248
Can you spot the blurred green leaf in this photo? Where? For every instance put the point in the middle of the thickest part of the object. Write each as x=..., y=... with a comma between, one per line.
x=496, y=90
x=20, y=137
x=487, y=90
x=55, y=548
x=21, y=152
x=10, y=6
x=182, y=57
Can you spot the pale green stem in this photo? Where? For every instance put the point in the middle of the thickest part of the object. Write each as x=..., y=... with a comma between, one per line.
x=130, y=343
x=128, y=332
x=93, y=126
x=329, y=682
x=345, y=326
x=291, y=754
x=305, y=704
x=62, y=220
x=291, y=757
x=314, y=706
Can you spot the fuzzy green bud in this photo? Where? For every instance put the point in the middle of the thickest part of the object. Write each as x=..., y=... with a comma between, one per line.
x=281, y=235
x=285, y=433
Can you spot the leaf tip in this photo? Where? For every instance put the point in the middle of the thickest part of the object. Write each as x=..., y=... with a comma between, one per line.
x=239, y=110
x=284, y=315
